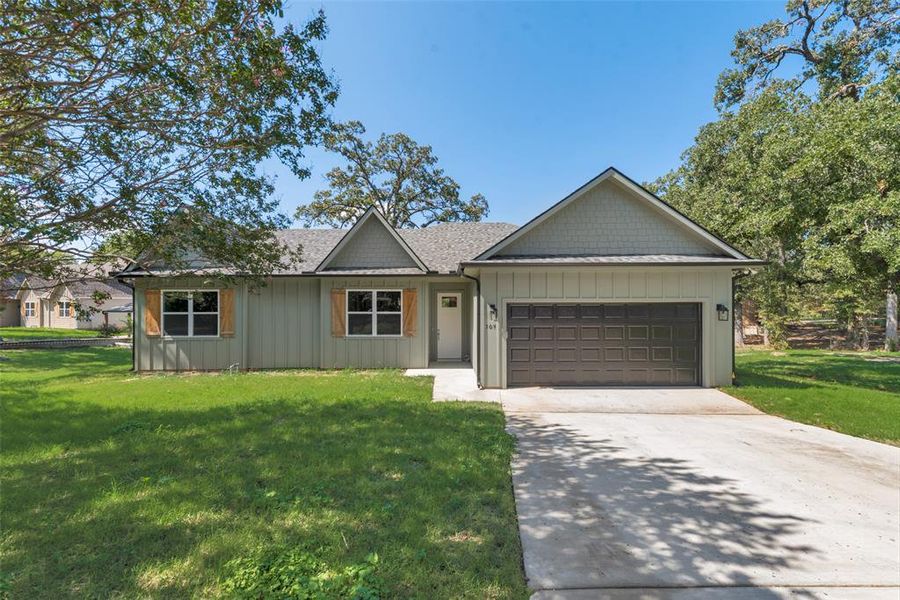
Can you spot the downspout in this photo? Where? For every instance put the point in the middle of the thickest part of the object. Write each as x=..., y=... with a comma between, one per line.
x=733, y=352
x=477, y=364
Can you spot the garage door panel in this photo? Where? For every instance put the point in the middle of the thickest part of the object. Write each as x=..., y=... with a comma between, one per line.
x=520, y=333
x=542, y=334
x=614, y=332
x=603, y=344
x=591, y=354
x=638, y=332
x=543, y=355
x=520, y=355
x=640, y=354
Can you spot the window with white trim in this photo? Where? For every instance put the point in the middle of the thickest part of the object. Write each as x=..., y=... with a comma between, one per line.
x=190, y=313
x=65, y=309
x=374, y=313
x=30, y=309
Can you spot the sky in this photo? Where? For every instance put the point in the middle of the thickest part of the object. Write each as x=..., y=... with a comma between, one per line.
x=524, y=102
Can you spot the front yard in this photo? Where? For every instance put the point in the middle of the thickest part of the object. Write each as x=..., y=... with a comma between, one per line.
x=857, y=393
x=339, y=484
x=20, y=334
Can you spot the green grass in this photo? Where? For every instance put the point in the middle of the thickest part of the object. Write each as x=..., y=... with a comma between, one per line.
x=117, y=485
x=44, y=333
x=857, y=393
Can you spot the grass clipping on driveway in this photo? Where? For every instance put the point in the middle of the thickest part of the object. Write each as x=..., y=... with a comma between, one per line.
x=286, y=484
x=857, y=393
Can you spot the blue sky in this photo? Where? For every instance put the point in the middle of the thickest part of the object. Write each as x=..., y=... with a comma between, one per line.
x=524, y=102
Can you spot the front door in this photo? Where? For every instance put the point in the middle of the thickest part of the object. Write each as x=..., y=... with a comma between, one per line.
x=449, y=326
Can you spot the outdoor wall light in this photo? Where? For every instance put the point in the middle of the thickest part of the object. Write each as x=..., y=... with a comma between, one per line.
x=722, y=310
x=492, y=308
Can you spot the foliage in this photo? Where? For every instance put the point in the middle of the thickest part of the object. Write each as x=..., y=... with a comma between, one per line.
x=124, y=485
x=843, y=46
x=147, y=122
x=276, y=573
x=851, y=392
x=808, y=180
x=395, y=174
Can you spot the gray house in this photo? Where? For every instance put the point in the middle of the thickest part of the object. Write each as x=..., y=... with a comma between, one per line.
x=609, y=286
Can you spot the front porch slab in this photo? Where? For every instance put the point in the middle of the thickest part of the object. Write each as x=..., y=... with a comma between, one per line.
x=455, y=381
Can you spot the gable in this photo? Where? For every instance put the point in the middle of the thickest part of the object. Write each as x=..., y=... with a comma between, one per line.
x=372, y=246
x=608, y=219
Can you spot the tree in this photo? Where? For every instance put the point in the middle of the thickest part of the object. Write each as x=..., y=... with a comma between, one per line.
x=804, y=170
x=395, y=174
x=146, y=122
x=843, y=45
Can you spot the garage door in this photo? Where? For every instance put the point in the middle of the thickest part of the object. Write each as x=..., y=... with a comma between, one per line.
x=603, y=344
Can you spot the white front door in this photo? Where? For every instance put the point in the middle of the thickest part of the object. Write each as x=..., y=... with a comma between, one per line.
x=449, y=325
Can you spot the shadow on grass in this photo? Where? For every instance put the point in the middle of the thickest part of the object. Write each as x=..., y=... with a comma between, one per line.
x=640, y=521
x=102, y=502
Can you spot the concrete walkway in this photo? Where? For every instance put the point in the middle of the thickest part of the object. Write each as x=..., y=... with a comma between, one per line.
x=700, y=506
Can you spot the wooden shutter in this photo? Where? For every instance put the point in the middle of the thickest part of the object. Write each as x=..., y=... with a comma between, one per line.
x=410, y=311
x=152, y=309
x=59, y=309
x=226, y=312
x=338, y=312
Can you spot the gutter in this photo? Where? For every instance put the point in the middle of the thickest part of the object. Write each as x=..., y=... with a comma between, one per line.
x=532, y=263
x=477, y=365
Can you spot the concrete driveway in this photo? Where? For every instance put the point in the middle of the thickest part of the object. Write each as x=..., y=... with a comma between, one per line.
x=669, y=498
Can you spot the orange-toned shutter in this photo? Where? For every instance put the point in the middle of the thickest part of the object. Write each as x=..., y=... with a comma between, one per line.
x=226, y=312
x=152, y=308
x=410, y=311
x=338, y=312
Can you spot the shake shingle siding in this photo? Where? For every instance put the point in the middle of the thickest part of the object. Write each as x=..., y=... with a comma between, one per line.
x=608, y=220
x=372, y=247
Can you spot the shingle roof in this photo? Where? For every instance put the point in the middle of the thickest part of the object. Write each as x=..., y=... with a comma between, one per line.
x=441, y=247
x=86, y=289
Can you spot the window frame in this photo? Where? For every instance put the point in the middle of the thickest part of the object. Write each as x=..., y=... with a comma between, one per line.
x=190, y=313
x=67, y=314
x=30, y=308
x=374, y=313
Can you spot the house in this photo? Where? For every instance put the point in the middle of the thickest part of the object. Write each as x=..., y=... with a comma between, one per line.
x=609, y=286
x=38, y=302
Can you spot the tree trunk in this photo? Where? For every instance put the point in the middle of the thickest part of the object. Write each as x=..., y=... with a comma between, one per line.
x=765, y=335
x=738, y=325
x=891, y=342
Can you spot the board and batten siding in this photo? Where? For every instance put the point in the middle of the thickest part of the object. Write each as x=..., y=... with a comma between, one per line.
x=705, y=285
x=185, y=353
x=374, y=352
x=283, y=324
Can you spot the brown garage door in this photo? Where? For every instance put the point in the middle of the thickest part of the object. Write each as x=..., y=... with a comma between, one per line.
x=603, y=344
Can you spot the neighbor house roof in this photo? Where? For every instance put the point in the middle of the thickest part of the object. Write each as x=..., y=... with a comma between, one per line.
x=13, y=286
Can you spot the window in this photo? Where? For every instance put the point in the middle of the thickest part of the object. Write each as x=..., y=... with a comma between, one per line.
x=30, y=309
x=65, y=309
x=374, y=312
x=190, y=313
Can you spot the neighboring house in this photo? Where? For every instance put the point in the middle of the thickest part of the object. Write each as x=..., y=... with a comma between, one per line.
x=610, y=286
x=10, y=315
x=46, y=303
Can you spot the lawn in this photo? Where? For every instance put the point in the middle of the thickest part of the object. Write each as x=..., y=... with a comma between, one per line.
x=335, y=484
x=18, y=334
x=857, y=393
